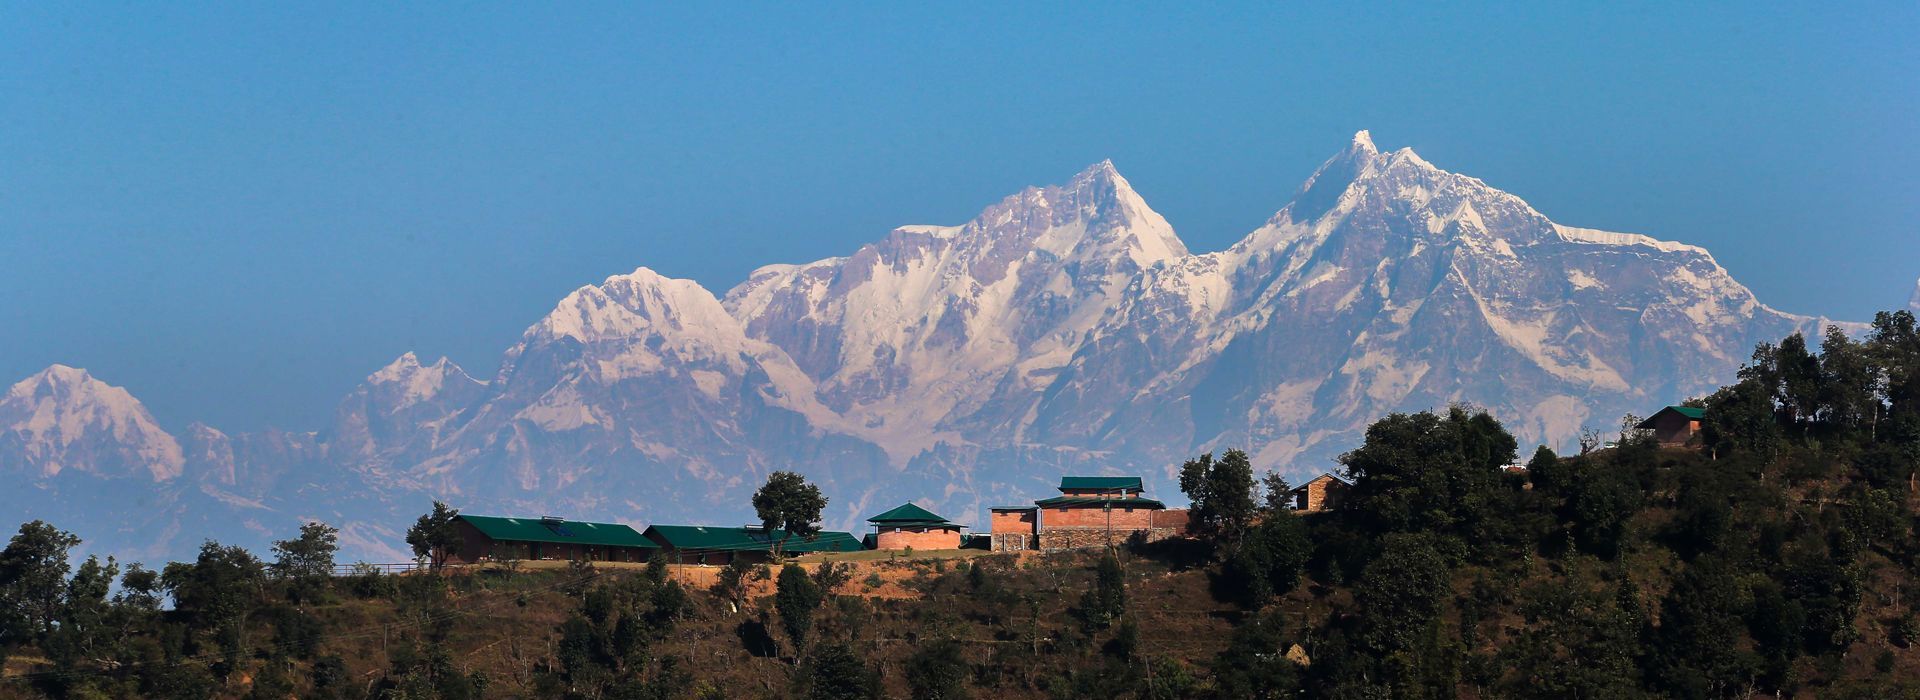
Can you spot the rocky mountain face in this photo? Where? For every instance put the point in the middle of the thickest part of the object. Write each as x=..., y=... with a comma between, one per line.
x=1066, y=328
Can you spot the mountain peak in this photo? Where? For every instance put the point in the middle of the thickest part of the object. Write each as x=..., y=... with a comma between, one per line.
x=62, y=417
x=1913, y=302
x=1363, y=141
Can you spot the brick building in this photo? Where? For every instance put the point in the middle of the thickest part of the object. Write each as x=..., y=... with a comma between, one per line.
x=1013, y=528
x=1090, y=511
x=910, y=526
x=1321, y=494
x=1674, y=426
x=487, y=538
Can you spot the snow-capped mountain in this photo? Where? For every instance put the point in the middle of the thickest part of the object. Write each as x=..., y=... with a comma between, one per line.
x=1065, y=328
x=62, y=419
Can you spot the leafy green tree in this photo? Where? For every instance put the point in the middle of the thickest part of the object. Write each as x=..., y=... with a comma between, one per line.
x=217, y=592
x=789, y=504
x=731, y=584
x=1697, y=651
x=835, y=672
x=1279, y=493
x=1269, y=563
x=33, y=573
x=935, y=671
x=1425, y=472
x=306, y=562
x=1600, y=500
x=796, y=597
x=86, y=633
x=436, y=535
x=1740, y=418
x=1101, y=605
x=1222, y=495
x=1255, y=665
x=1577, y=643
x=329, y=678
x=1851, y=382
x=1402, y=592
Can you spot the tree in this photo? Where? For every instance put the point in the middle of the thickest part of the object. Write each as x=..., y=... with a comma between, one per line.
x=1697, y=650
x=1601, y=499
x=217, y=592
x=435, y=535
x=1279, y=493
x=795, y=597
x=1425, y=472
x=791, y=505
x=1255, y=665
x=1222, y=494
x=1740, y=418
x=306, y=562
x=33, y=572
x=1101, y=605
x=836, y=673
x=84, y=632
x=936, y=672
x=1401, y=593
x=731, y=584
x=1269, y=562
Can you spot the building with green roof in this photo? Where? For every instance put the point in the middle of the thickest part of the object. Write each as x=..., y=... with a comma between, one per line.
x=1090, y=511
x=912, y=527
x=1675, y=426
x=703, y=544
x=490, y=538
x=1101, y=486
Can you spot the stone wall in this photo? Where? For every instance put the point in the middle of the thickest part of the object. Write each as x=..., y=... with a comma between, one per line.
x=1059, y=538
x=1011, y=541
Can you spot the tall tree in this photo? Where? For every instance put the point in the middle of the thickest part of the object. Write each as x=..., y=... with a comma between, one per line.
x=217, y=592
x=33, y=571
x=791, y=505
x=1427, y=472
x=436, y=535
x=1101, y=605
x=1222, y=494
x=795, y=597
x=1279, y=493
x=306, y=561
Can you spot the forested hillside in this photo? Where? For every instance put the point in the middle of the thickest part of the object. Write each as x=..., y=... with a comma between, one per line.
x=1775, y=559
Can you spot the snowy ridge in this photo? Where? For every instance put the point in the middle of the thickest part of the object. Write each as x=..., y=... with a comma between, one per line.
x=1587, y=235
x=62, y=418
x=1064, y=328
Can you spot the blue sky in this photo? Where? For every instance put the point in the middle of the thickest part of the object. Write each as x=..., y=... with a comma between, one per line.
x=237, y=211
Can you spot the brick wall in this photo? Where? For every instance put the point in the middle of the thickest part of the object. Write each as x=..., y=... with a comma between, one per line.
x=922, y=540
x=1012, y=522
x=1119, y=518
x=1171, y=518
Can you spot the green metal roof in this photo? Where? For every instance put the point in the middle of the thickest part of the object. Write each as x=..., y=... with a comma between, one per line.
x=1074, y=501
x=557, y=531
x=1686, y=411
x=734, y=539
x=908, y=513
x=1100, y=482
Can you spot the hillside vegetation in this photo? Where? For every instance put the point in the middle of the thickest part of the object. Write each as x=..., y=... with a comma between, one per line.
x=1777, y=559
